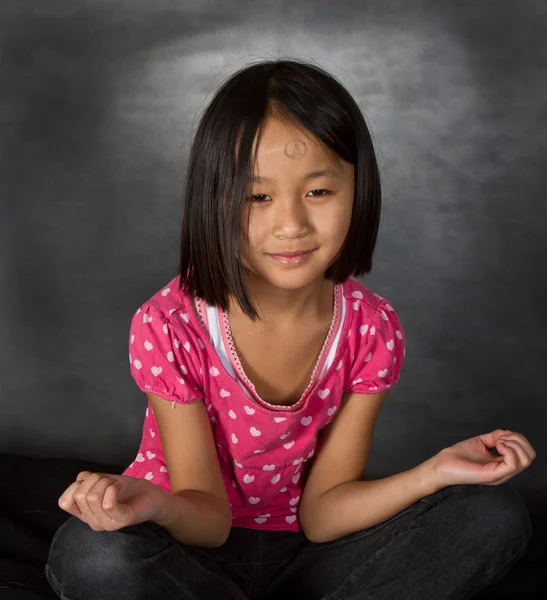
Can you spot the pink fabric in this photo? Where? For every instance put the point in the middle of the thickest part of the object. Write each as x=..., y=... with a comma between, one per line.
x=265, y=451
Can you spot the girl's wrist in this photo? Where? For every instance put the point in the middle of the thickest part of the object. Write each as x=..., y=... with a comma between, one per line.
x=160, y=503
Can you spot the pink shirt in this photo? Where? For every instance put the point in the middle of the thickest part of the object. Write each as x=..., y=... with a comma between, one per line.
x=265, y=451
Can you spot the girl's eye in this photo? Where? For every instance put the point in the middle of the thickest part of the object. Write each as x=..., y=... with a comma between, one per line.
x=259, y=197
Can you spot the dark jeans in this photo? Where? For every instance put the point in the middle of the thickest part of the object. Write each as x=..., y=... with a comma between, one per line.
x=447, y=545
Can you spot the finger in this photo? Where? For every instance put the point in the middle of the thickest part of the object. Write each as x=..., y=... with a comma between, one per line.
x=66, y=500
x=518, y=437
x=96, y=499
x=522, y=456
x=509, y=454
x=515, y=438
x=490, y=440
x=80, y=497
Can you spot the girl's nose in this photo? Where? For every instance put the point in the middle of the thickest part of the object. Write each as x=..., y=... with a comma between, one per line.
x=291, y=219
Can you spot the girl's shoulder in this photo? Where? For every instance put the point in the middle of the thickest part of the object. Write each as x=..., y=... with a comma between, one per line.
x=363, y=298
x=170, y=300
x=369, y=309
x=175, y=307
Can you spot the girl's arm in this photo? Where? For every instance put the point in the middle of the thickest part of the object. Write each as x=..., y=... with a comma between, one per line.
x=197, y=512
x=196, y=518
x=336, y=500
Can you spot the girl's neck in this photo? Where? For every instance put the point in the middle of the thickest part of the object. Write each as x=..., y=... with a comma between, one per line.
x=280, y=308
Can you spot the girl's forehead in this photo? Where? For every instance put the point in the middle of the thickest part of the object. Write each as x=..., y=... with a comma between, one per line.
x=289, y=144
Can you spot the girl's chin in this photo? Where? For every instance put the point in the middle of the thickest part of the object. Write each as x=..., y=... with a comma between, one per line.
x=289, y=280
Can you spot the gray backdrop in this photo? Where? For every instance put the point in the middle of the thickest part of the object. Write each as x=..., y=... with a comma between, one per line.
x=98, y=104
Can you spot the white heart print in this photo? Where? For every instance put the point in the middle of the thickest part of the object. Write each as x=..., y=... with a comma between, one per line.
x=262, y=518
x=149, y=476
x=232, y=414
x=268, y=467
x=184, y=317
x=156, y=371
x=234, y=438
x=248, y=410
x=224, y=394
x=148, y=345
x=306, y=421
x=165, y=291
x=280, y=419
x=324, y=393
x=255, y=432
x=390, y=345
x=150, y=455
x=176, y=341
x=214, y=371
x=382, y=374
x=140, y=457
x=290, y=518
x=146, y=319
x=170, y=357
x=248, y=478
x=331, y=411
x=254, y=500
x=276, y=478
x=137, y=364
x=288, y=445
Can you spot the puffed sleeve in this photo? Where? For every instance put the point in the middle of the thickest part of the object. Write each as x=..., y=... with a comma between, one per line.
x=161, y=362
x=380, y=352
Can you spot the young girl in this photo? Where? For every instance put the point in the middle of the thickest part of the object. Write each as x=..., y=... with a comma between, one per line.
x=265, y=364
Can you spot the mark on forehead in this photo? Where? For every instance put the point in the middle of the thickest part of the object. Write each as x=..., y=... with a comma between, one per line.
x=296, y=149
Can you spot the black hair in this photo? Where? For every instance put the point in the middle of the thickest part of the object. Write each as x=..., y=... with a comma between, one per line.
x=219, y=165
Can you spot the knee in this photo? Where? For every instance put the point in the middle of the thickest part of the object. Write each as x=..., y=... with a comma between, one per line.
x=500, y=517
x=78, y=554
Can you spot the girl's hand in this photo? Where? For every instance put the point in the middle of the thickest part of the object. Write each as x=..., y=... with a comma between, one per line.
x=108, y=502
x=471, y=461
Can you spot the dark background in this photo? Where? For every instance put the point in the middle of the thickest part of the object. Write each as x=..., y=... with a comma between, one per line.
x=98, y=104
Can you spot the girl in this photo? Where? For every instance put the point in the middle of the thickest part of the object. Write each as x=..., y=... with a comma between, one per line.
x=265, y=364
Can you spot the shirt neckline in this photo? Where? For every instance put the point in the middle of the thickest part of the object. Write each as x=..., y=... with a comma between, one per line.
x=327, y=343
x=200, y=309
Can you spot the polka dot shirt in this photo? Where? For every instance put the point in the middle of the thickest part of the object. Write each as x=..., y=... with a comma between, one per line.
x=182, y=351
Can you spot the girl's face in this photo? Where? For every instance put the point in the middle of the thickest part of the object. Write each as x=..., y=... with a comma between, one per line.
x=291, y=207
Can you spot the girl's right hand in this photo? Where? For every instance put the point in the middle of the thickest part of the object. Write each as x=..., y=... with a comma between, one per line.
x=109, y=502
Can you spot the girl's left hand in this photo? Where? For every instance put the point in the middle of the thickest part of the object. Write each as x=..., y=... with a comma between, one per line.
x=471, y=461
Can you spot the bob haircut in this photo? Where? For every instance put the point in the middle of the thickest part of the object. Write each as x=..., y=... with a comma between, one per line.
x=220, y=164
